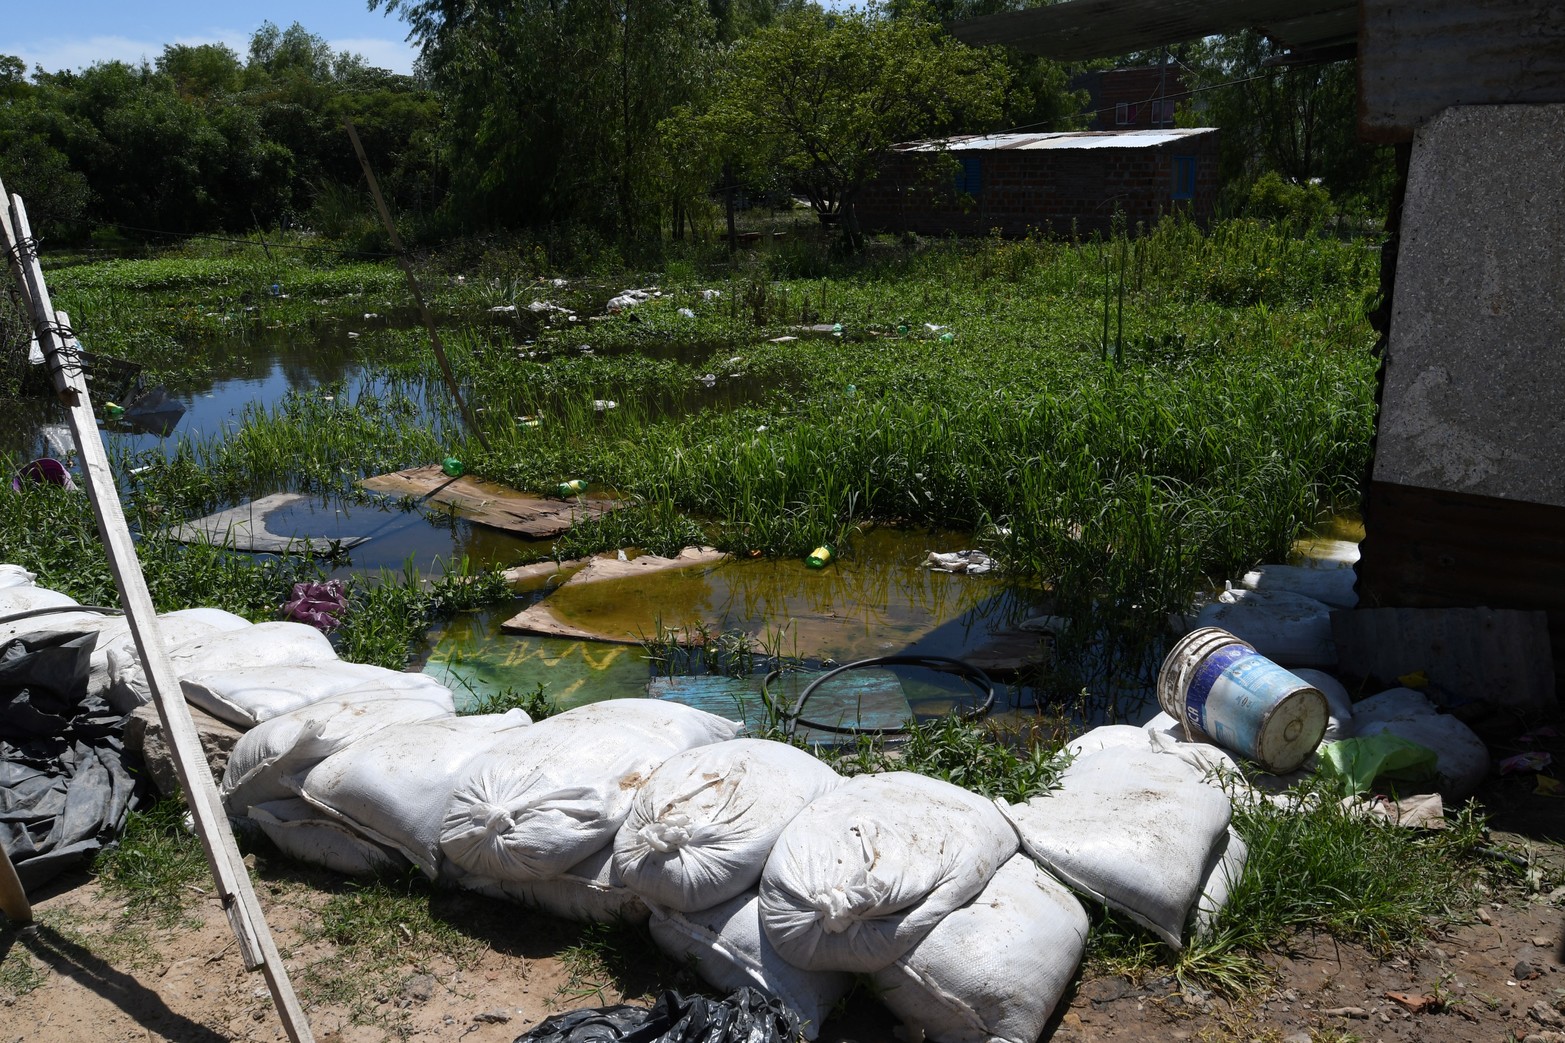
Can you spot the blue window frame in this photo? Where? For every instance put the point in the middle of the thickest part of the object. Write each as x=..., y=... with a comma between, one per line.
x=970, y=179
x=1184, y=177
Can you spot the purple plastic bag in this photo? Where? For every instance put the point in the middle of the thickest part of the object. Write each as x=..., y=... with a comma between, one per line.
x=318, y=604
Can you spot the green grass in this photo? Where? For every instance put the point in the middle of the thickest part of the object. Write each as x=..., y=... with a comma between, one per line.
x=157, y=868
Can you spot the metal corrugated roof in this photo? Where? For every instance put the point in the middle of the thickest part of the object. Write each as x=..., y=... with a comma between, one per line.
x=1063, y=140
x=1080, y=29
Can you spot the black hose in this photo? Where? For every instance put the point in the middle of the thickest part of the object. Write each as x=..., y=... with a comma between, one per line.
x=55, y=610
x=969, y=673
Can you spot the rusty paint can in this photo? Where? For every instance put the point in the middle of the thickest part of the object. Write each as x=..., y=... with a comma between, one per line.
x=1223, y=691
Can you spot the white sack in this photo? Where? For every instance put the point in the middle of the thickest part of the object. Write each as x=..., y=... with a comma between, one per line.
x=863, y=873
x=1289, y=629
x=995, y=969
x=269, y=761
x=700, y=829
x=15, y=576
x=1461, y=757
x=549, y=796
x=26, y=598
x=393, y=787
x=588, y=892
x=301, y=832
x=1339, y=704
x=187, y=628
x=1106, y=736
x=1331, y=586
x=1133, y=829
x=246, y=696
x=730, y=951
x=1223, y=871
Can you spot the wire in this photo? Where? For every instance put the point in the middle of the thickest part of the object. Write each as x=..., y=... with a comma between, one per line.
x=969, y=673
x=55, y=610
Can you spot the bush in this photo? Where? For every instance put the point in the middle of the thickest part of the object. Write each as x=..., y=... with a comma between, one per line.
x=1272, y=198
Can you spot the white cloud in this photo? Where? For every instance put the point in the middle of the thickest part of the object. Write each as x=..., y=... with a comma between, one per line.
x=379, y=52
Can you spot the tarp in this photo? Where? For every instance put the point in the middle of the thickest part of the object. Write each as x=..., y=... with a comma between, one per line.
x=64, y=789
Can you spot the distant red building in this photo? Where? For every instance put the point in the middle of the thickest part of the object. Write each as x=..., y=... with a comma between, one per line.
x=1056, y=184
x=1144, y=97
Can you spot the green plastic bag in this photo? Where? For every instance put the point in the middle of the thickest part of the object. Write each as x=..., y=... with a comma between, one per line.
x=1358, y=762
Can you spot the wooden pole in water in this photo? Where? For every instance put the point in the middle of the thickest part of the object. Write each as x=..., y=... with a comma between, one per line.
x=63, y=358
x=407, y=270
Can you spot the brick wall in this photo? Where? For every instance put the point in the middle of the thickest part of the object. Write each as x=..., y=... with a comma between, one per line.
x=1048, y=191
x=1136, y=89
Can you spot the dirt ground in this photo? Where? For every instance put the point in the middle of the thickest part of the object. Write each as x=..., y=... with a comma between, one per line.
x=1497, y=975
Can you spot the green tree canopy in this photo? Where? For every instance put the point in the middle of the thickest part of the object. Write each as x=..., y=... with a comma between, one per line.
x=823, y=98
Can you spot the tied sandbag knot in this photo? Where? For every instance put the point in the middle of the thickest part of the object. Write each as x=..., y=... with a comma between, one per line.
x=667, y=834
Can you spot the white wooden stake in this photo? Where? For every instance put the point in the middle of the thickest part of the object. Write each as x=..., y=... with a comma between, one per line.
x=63, y=356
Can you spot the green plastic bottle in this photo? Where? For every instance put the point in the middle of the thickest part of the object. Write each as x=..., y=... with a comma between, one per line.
x=452, y=467
x=820, y=557
x=574, y=487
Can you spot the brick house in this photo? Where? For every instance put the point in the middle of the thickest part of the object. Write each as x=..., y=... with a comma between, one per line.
x=1051, y=183
x=1140, y=98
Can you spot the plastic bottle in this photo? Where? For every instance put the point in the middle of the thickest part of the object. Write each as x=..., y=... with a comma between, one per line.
x=820, y=557
x=852, y=390
x=573, y=487
x=113, y=410
x=451, y=466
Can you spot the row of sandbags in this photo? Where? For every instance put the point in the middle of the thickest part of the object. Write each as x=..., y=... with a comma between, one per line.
x=237, y=671
x=751, y=857
x=1284, y=613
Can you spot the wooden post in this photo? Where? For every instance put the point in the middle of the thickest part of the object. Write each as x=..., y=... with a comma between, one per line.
x=13, y=900
x=63, y=356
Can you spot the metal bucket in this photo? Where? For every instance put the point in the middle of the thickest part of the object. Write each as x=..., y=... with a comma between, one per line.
x=1222, y=690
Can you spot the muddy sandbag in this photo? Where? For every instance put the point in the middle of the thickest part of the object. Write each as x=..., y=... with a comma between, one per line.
x=747, y=1016
x=995, y=969
x=246, y=696
x=1461, y=757
x=551, y=795
x=393, y=787
x=302, y=832
x=1289, y=629
x=269, y=761
x=590, y=891
x=700, y=829
x=1133, y=829
x=730, y=950
x=863, y=873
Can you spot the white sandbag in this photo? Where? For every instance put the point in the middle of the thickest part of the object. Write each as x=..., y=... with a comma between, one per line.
x=1133, y=829
x=1329, y=586
x=393, y=786
x=1339, y=704
x=995, y=969
x=588, y=892
x=700, y=829
x=301, y=832
x=186, y=628
x=1461, y=757
x=1223, y=871
x=863, y=873
x=1106, y=736
x=269, y=761
x=25, y=598
x=538, y=803
x=15, y=576
x=1289, y=629
x=730, y=951
x=1327, y=554
x=246, y=696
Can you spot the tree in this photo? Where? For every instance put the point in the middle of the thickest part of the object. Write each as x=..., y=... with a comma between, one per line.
x=551, y=108
x=1297, y=120
x=823, y=99
x=209, y=70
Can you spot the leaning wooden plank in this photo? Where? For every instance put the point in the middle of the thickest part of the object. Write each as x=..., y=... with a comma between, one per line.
x=64, y=362
x=485, y=503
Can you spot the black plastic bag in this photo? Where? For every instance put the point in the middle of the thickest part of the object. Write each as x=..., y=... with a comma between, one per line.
x=747, y=1016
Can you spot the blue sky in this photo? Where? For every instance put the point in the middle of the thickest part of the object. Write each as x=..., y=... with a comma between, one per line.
x=73, y=34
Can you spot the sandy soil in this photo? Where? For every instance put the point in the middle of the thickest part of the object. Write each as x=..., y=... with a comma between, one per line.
x=1497, y=975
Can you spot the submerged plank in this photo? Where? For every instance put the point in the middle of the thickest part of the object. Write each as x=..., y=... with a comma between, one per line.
x=487, y=503
x=542, y=619
x=244, y=528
